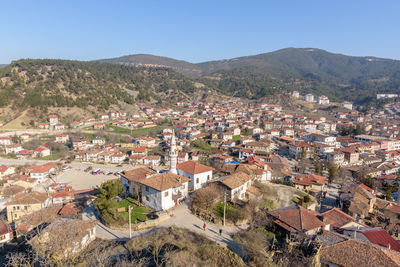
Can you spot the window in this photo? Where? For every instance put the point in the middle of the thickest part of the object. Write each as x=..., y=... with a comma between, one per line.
x=166, y=194
x=147, y=198
x=208, y=177
x=26, y=207
x=147, y=188
x=197, y=180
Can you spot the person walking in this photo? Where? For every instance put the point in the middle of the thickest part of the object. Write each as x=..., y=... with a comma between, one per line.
x=204, y=226
x=220, y=231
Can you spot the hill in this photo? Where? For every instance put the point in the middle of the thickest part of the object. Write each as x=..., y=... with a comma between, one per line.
x=2, y=65
x=307, y=70
x=145, y=60
x=62, y=83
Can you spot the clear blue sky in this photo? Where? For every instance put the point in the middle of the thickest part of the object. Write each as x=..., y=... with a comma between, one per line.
x=195, y=30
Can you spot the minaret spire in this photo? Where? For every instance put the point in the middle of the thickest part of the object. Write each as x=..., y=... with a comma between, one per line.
x=173, y=154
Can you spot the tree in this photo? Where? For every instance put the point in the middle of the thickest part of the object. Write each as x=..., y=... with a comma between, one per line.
x=318, y=168
x=332, y=172
x=205, y=197
x=368, y=181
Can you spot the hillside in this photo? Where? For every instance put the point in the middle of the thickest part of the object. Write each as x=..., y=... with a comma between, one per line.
x=184, y=67
x=307, y=70
x=63, y=83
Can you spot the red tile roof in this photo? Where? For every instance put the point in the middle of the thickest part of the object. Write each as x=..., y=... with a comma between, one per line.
x=382, y=238
x=193, y=167
x=297, y=217
x=337, y=218
x=164, y=181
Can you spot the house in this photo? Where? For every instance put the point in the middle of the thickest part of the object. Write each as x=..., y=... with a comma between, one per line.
x=117, y=157
x=62, y=138
x=13, y=149
x=6, y=233
x=147, y=141
x=376, y=236
x=350, y=155
x=296, y=219
x=6, y=170
x=139, y=150
x=198, y=173
x=309, y=98
x=300, y=149
x=5, y=140
x=67, y=236
x=339, y=220
x=347, y=105
x=41, y=172
x=164, y=191
x=336, y=157
x=152, y=160
x=258, y=145
x=236, y=185
x=323, y=100
x=131, y=179
x=311, y=182
x=358, y=200
x=25, y=154
x=41, y=152
x=25, y=203
x=53, y=120
x=98, y=141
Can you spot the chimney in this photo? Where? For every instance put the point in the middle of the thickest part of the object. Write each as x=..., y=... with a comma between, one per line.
x=389, y=247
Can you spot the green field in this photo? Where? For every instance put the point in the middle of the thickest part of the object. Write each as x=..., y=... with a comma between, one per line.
x=136, y=132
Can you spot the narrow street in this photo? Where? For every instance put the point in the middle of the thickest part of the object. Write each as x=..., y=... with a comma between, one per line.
x=182, y=217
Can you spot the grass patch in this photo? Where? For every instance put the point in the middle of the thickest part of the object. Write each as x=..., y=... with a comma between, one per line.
x=137, y=213
x=267, y=204
x=202, y=145
x=236, y=138
x=136, y=132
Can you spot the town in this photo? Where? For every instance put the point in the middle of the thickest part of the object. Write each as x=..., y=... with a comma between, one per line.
x=224, y=169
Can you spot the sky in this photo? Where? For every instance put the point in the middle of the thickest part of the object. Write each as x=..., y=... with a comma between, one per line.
x=195, y=31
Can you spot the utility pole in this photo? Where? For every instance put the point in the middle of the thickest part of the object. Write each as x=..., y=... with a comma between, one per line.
x=224, y=206
x=130, y=225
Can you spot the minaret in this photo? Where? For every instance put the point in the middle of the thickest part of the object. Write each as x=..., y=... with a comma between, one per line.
x=173, y=154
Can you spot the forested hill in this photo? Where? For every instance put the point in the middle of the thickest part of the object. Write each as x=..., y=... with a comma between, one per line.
x=307, y=70
x=60, y=83
x=184, y=67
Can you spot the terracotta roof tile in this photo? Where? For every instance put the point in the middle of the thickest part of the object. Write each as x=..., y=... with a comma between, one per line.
x=235, y=180
x=164, y=181
x=193, y=167
x=297, y=218
x=138, y=174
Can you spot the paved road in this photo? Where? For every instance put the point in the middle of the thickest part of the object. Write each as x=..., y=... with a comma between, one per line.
x=182, y=217
x=331, y=196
